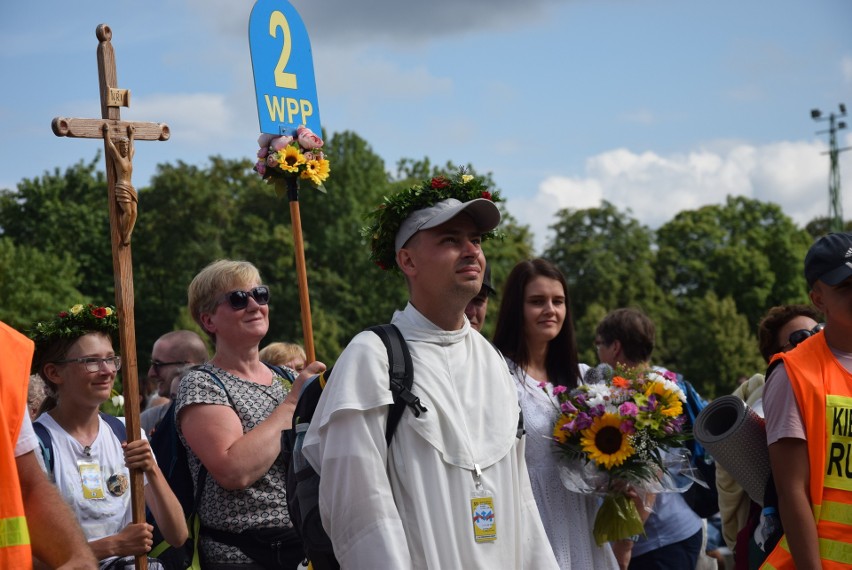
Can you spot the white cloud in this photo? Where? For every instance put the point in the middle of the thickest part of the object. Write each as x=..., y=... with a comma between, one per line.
x=193, y=118
x=656, y=187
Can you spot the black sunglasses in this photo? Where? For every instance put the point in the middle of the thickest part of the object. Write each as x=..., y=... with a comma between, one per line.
x=239, y=299
x=802, y=334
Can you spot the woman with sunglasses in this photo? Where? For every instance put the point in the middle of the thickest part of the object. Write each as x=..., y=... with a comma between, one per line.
x=89, y=464
x=230, y=414
x=781, y=329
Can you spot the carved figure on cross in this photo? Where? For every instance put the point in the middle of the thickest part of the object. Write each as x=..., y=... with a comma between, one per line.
x=125, y=194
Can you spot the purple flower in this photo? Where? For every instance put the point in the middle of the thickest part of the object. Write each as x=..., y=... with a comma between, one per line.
x=651, y=405
x=581, y=422
x=568, y=408
x=628, y=427
x=628, y=409
x=260, y=167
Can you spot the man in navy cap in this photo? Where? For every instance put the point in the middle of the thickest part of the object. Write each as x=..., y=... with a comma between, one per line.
x=478, y=306
x=808, y=406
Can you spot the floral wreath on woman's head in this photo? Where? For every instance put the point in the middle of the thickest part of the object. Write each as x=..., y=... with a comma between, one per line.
x=74, y=323
x=387, y=218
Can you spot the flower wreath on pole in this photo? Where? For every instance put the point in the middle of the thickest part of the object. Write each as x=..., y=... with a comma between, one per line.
x=292, y=158
x=629, y=432
x=386, y=219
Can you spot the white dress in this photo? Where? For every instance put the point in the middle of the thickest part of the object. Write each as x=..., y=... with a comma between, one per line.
x=568, y=517
x=410, y=506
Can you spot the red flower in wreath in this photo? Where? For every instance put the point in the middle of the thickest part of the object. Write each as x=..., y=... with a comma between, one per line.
x=486, y=194
x=63, y=314
x=99, y=312
x=439, y=182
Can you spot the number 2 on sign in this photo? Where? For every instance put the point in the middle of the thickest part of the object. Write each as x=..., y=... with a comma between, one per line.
x=282, y=78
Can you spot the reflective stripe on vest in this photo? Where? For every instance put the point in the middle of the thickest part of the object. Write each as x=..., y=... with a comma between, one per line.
x=14, y=532
x=823, y=391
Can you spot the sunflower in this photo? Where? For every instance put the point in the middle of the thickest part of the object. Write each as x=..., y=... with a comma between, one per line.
x=290, y=158
x=669, y=401
x=605, y=443
x=559, y=434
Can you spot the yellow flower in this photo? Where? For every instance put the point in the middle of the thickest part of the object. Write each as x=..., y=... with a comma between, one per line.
x=669, y=402
x=466, y=178
x=560, y=434
x=290, y=159
x=316, y=171
x=76, y=309
x=108, y=311
x=605, y=443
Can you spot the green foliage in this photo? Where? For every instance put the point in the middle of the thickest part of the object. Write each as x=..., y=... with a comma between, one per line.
x=34, y=284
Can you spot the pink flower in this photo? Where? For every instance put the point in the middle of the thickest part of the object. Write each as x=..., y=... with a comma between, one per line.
x=307, y=139
x=559, y=390
x=271, y=160
x=262, y=152
x=628, y=427
x=542, y=385
x=628, y=409
x=260, y=167
x=264, y=139
x=279, y=143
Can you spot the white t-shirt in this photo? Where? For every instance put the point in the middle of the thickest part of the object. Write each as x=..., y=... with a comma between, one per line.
x=27, y=440
x=99, y=517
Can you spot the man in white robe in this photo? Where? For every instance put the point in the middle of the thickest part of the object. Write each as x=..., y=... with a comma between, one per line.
x=426, y=501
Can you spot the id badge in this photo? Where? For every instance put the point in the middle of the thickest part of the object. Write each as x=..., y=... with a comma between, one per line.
x=482, y=515
x=91, y=479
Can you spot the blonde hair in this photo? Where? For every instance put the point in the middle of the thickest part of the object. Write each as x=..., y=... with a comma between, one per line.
x=281, y=353
x=219, y=277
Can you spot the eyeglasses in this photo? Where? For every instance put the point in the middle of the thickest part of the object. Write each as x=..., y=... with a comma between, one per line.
x=239, y=299
x=156, y=364
x=93, y=364
x=801, y=335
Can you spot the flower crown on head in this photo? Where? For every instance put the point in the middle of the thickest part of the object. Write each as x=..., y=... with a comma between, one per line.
x=387, y=218
x=75, y=322
x=288, y=156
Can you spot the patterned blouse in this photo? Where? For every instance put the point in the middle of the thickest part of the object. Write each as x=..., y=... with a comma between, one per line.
x=261, y=505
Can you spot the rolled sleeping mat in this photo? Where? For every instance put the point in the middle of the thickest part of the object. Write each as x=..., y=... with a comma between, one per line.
x=735, y=436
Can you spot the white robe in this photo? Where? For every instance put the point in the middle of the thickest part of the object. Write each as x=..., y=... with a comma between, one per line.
x=410, y=506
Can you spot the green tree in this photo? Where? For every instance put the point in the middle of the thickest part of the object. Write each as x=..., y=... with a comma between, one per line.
x=744, y=249
x=65, y=214
x=35, y=285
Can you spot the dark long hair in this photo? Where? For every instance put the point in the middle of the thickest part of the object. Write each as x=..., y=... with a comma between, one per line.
x=561, y=360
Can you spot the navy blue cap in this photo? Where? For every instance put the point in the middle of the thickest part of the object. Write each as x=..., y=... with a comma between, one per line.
x=829, y=260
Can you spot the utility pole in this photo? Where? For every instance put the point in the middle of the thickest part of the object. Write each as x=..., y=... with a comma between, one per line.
x=835, y=207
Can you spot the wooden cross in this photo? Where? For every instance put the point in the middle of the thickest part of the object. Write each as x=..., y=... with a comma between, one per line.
x=122, y=216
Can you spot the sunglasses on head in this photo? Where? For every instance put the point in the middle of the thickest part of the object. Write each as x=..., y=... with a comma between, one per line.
x=239, y=299
x=802, y=334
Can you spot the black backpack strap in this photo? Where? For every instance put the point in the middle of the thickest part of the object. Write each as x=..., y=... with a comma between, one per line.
x=401, y=373
x=45, y=444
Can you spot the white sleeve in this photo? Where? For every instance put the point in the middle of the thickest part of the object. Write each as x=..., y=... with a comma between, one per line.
x=27, y=440
x=355, y=496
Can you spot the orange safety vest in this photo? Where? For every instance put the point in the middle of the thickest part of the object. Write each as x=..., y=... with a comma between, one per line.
x=823, y=390
x=16, y=352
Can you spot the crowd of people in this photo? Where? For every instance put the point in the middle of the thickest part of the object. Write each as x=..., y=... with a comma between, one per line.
x=471, y=482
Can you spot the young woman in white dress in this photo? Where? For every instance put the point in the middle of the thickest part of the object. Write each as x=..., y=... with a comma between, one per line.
x=536, y=335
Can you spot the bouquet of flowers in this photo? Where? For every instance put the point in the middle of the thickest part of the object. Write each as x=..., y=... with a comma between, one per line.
x=614, y=435
x=292, y=157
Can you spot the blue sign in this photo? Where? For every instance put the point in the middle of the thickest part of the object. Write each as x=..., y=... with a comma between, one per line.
x=284, y=81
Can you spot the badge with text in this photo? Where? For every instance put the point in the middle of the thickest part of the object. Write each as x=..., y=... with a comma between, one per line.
x=482, y=511
x=283, y=66
x=91, y=479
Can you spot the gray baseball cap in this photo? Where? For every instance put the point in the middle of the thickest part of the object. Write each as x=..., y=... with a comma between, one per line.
x=484, y=212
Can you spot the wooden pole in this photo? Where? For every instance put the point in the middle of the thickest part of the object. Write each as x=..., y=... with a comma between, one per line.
x=122, y=216
x=301, y=269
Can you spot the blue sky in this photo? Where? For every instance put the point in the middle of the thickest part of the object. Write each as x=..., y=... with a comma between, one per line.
x=654, y=105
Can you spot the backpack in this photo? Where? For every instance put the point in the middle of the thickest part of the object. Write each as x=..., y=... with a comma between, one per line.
x=704, y=501
x=173, y=461
x=303, y=481
x=46, y=442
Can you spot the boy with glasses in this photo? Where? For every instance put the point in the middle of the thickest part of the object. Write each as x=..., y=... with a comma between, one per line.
x=808, y=405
